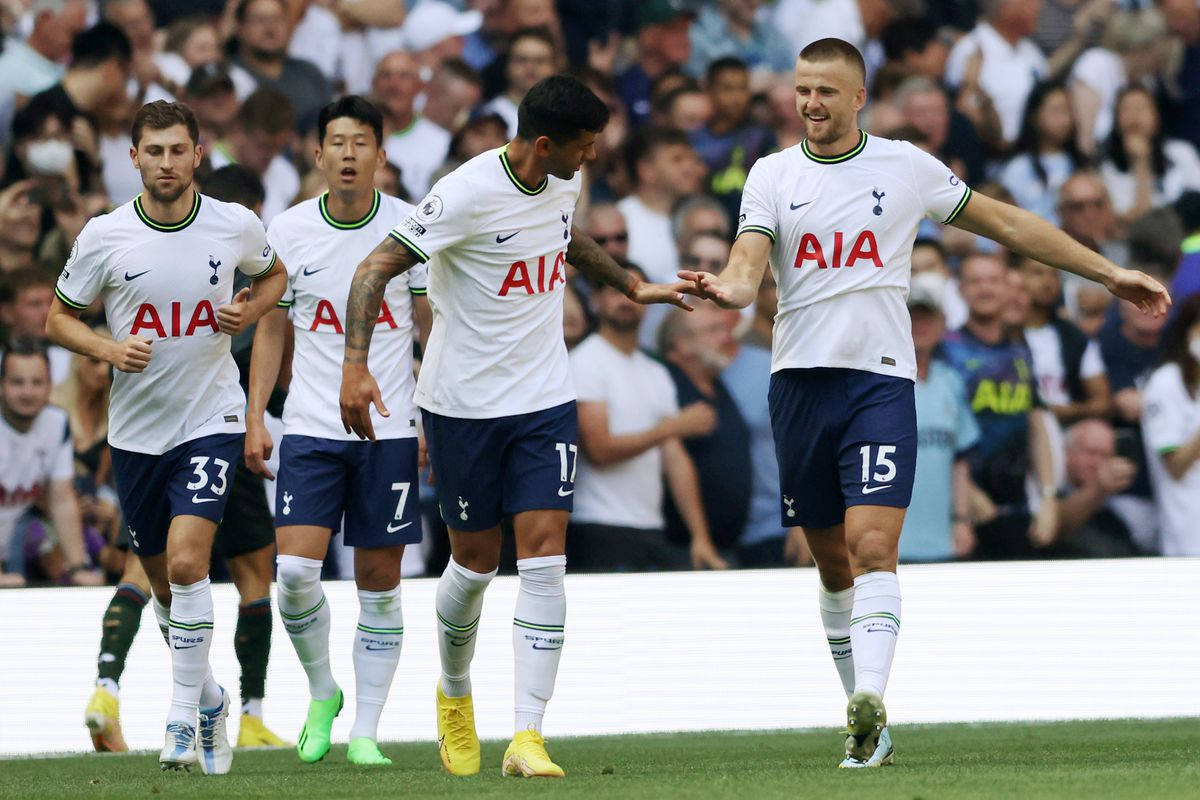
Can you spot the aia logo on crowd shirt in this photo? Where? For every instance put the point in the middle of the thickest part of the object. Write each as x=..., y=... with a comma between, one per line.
x=834, y=254
x=530, y=278
x=327, y=316
x=202, y=319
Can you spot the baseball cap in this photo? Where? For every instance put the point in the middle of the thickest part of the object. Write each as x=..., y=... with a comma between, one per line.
x=659, y=12
x=432, y=21
x=208, y=79
x=926, y=291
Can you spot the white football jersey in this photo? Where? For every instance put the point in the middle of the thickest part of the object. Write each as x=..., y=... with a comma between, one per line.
x=165, y=283
x=843, y=229
x=29, y=461
x=321, y=254
x=496, y=289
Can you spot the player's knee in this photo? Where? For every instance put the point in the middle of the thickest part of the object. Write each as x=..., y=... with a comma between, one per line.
x=871, y=551
x=297, y=574
x=183, y=570
x=377, y=577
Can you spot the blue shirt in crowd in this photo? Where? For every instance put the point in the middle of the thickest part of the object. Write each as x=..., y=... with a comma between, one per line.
x=748, y=379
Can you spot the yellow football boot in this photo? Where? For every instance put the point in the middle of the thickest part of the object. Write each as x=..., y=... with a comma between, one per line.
x=253, y=732
x=526, y=757
x=102, y=718
x=458, y=744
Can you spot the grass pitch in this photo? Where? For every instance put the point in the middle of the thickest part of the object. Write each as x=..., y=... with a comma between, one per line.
x=1095, y=759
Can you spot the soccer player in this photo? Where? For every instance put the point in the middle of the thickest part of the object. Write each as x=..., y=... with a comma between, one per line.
x=495, y=391
x=245, y=539
x=325, y=472
x=836, y=216
x=163, y=266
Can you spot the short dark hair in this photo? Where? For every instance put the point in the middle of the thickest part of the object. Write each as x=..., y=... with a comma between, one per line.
x=460, y=69
x=354, y=107
x=24, y=348
x=645, y=142
x=562, y=108
x=535, y=32
x=99, y=43
x=17, y=281
x=834, y=49
x=266, y=110
x=927, y=241
x=905, y=35
x=725, y=64
x=239, y=13
x=234, y=183
x=160, y=115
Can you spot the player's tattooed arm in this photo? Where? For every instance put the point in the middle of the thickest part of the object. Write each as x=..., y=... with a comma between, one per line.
x=389, y=259
x=589, y=258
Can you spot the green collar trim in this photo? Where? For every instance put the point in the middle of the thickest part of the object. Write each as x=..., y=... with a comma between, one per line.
x=512, y=176
x=167, y=227
x=347, y=226
x=862, y=142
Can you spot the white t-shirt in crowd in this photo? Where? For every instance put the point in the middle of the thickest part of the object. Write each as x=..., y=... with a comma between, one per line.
x=496, y=290
x=1102, y=71
x=638, y=394
x=281, y=183
x=1170, y=419
x=1048, y=365
x=29, y=461
x=1007, y=76
x=418, y=151
x=1182, y=174
x=843, y=230
x=651, y=242
x=165, y=283
x=321, y=255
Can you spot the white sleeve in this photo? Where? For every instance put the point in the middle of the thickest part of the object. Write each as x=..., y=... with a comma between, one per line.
x=444, y=218
x=278, y=240
x=257, y=257
x=942, y=194
x=956, y=62
x=418, y=279
x=1093, y=70
x=84, y=275
x=1092, y=365
x=1163, y=414
x=590, y=386
x=759, y=203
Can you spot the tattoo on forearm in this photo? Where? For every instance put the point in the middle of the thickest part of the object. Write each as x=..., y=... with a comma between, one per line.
x=590, y=259
x=386, y=261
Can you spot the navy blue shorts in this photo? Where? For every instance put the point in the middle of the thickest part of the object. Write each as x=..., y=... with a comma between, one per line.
x=485, y=469
x=843, y=437
x=190, y=478
x=374, y=484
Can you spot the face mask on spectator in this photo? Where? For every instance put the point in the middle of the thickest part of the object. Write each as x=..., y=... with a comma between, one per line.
x=1194, y=347
x=49, y=156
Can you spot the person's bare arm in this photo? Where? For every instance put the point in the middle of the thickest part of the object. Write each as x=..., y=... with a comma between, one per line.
x=962, y=531
x=684, y=484
x=1028, y=234
x=589, y=258
x=422, y=319
x=737, y=285
x=1096, y=403
x=1179, y=461
x=66, y=329
x=375, y=13
x=63, y=509
x=1041, y=455
x=266, y=358
x=602, y=447
x=359, y=390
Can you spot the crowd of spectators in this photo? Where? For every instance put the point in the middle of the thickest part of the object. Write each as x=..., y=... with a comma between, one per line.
x=1052, y=420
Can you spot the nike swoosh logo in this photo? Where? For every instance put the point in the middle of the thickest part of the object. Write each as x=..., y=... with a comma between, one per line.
x=306, y=271
x=459, y=642
x=388, y=647
x=129, y=277
x=795, y=206
x=502, y=239
x=873, y=489
x=198, y=499
x=186, y=647
x=535, y=647
x=568, y=492
x=390, y=529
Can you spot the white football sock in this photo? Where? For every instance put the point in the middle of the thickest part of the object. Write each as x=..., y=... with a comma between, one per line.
x=459, y=602
x=305, y=616
x=835, y=616
x=538, y=623
x=377, y=643
x=190, y=628
x=874, y=626
x=163, y=615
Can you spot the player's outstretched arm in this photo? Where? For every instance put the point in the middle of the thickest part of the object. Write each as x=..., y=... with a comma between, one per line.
x=359, y=389
x=1028, y=234
x=66, y=329
x=737, y=285
x=589, y=258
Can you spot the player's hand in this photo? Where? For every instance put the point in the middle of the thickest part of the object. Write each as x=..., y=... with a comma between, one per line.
x=359, y=391
x=231, y=317
x=672, y=293
x=1044, y=529
x=710, y=287
x=131, y=355
x=963, y=540
x=257, y=448
x=705, y=555
x=1116, y=474
x=695, y=419
x=1146, y=293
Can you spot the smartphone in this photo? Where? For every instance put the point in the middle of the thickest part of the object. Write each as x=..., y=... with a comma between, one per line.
x=1129, y=444
x=49, y=191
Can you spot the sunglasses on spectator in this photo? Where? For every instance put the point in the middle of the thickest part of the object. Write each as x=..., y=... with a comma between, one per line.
x=711, y=264
x=619, y=238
